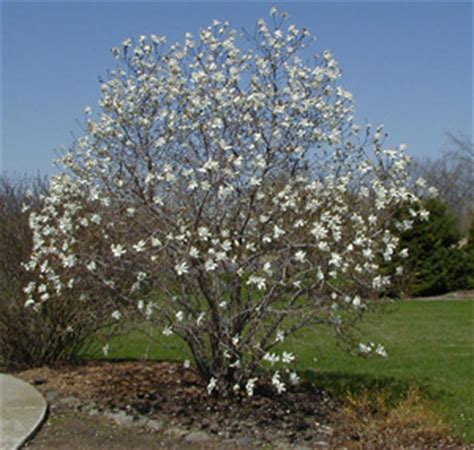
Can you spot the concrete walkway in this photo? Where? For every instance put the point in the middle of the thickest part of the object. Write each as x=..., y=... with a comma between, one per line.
x=22, y=409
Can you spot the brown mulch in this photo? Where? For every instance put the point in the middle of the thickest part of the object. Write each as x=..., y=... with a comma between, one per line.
x=168, y=392
x=176, y=396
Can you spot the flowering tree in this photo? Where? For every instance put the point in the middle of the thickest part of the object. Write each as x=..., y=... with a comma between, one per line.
x=232, y=198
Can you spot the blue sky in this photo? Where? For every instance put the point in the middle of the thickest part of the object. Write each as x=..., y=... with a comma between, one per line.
x=409, y=65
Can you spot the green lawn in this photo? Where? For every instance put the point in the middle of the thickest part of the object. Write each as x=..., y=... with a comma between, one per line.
x=430, y=343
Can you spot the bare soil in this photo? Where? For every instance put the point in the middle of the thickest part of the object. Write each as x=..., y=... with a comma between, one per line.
x=148, y=405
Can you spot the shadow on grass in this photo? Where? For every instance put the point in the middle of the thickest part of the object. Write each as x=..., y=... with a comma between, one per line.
x=342, y=384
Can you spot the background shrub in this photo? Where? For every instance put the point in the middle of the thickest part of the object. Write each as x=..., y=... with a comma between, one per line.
x=31, y=337
x=469, y=256
x=437, y=262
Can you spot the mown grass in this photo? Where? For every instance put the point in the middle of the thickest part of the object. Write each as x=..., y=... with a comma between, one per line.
x=430, y=345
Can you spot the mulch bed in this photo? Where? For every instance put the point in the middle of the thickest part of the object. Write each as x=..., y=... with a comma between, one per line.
x=167, y=392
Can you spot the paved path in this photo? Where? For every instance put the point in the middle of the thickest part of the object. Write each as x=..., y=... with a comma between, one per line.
x=22, y=409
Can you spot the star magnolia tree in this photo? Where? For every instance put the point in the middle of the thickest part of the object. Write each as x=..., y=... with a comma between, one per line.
x=224, y=194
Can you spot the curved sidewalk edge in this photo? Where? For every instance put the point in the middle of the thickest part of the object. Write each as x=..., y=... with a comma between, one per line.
x=22, y=410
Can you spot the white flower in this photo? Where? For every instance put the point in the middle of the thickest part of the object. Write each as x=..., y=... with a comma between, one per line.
x=255, y=181
x=226, y=245
x=155, y=242
x=105, y=349
x=273, y=11
x=267, y=268
x=209, y=166
x=356, y=301
x=276, y=381
x=204, y=233
x=29, y=303
x=272, y=358
x=200, y=318
x=372, y=219
x=250, y=386
x=186, y=364
x=139, y=246
x=287, y=358
x=210, y=265
x=88, y=110
x=212, y=385
x=277, y=232
x=300, y=256
x=167, y=331
x=320, y=274
x=294, y=378
x=118, y=250
x=280, y=336
x=235, y=364
x=358, y=241
x=365, y=349
x=421, y=183
x=29, y=288
x=116, y=315
x=318, y=231
x=299, y=223
x=424, y=214
x=221, y=256
x=95, y=218
x=181, y=268
x=335, y=260
x=368, y=254
x=432, y=191
x=380, y=350
x=194, y=252
x=404, y=253
x=258, y=281
x=192, y=185
x=158, y=200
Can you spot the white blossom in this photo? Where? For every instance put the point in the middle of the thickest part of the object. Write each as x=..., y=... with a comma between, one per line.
x=294, y=378
x=300, y=256
x=250, y=386
x=139, y=246
x=211, y=385
x=260, y=282
x=210, y=265
x=277, y=382
x=380, y=350
x=287, y=357
x=181, y=268
x=118, y=250
x=167, y=331
x=272, y=358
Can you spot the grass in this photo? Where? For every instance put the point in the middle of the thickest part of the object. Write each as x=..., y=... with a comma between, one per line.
x=430, y=345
